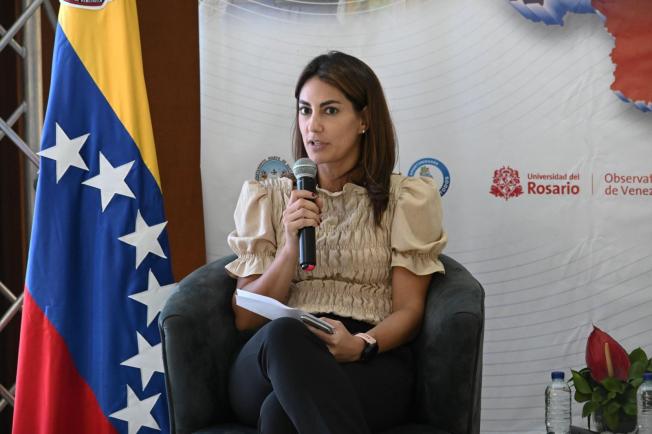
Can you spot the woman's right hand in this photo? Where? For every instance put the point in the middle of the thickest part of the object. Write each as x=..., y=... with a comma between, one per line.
x=303, y=210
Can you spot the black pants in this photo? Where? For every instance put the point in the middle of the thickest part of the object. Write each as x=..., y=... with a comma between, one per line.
x=285, y=381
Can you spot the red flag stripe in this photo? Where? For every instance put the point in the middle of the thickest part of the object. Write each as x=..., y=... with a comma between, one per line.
x=50, y=393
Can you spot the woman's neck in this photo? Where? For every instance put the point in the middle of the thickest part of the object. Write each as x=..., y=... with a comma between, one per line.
x=333, y=179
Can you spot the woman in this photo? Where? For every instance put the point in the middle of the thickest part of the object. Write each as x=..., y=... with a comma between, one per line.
x=378, y=240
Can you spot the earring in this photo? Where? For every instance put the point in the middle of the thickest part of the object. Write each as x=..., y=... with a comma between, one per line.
x=364, y=131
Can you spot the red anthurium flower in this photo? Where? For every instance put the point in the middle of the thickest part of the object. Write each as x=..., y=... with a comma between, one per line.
x=605, y=357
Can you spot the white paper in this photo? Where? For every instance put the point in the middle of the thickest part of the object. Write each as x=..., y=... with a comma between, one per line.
x=265, y=306
x=270, y=307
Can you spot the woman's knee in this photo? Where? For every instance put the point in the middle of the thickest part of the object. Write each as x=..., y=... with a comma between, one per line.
x=288, y=346
x=273, y=418
x=285, y=332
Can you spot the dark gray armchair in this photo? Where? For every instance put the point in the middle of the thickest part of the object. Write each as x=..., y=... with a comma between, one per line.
x=200, y=339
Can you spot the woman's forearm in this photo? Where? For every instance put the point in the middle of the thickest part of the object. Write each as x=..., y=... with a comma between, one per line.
x=274, y=282
x=303, y=210
x=400, y=327
x=408, y=304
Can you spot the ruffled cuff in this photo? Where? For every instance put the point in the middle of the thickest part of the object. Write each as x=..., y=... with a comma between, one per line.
x=249, y=264
x=420, y=264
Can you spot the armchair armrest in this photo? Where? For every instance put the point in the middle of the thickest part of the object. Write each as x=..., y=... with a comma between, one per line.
x=448, y=352
x=199, y=338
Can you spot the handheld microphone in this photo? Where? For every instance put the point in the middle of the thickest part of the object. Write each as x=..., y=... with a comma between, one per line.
x=305, y=170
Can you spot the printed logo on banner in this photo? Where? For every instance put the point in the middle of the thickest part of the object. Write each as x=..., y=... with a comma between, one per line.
x=273, y=167
x=86, y=4
x=506, y=183
x=432, y=168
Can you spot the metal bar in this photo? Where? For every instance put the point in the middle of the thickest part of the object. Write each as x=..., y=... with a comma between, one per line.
x=13, y=310
x=7, y=293
x=19, y=23
x=33, y=82
x=49, y=11
x=8, y=396
x=19, y=142
x=15, y=45
x=14, y=117
x=30, y=22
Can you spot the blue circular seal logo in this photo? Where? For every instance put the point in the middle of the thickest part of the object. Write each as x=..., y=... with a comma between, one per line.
x=273, y=167
x=435, y=169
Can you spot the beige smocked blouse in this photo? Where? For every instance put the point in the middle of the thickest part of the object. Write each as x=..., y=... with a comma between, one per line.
x=354, y=256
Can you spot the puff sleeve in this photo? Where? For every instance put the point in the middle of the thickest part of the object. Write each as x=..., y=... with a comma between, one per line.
x=254, y=238
x=417, y=236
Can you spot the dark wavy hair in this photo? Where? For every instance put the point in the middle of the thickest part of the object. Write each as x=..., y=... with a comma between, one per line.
x=378, y=147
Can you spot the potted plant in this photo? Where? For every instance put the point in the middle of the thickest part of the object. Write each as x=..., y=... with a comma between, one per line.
x=607, y=385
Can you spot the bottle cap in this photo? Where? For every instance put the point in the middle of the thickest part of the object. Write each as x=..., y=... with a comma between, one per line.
x=557, y=375
x=647, y=376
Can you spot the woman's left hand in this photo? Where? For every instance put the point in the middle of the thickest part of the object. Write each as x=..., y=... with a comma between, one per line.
x=343, y=345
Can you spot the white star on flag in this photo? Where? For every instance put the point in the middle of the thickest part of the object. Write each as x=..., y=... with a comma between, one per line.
x=154, y=297
x=65, y=152
x=149, y=360
x=145, y=239
x=111, y=181
x=137, y=413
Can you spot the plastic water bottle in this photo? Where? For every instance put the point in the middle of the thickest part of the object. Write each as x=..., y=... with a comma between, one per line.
x=644, y=405
x=558, y=405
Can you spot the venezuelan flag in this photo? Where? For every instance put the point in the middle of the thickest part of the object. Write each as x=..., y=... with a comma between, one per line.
x=98, y=269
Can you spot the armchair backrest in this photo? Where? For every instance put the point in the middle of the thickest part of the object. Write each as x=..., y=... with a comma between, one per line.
x=199, y=336
x=448, y=352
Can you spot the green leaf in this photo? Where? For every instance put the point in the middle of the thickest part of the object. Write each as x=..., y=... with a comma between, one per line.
x=612, y=407
x=638, y=355
x=613, y=385
x=598, y=395
x=649, y=366
x=611, y=395
x=636, y=382
x=581, y=385
x=589, y=408
x=582, y=397
x=630, y=408
x=612, y=420
x=636, y=369
x=630, y=394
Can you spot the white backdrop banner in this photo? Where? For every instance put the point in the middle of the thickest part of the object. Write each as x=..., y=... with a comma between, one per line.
x=546, y=174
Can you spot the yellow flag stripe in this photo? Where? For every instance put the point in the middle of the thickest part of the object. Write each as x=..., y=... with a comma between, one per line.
x=108, y=43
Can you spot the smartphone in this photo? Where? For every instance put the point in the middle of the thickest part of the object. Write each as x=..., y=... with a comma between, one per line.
x=317, y=323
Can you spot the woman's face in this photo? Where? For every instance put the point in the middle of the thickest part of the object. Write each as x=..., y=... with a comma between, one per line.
x=329, y=125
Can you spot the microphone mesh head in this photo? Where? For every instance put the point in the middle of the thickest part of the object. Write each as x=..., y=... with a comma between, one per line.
x=304, y=167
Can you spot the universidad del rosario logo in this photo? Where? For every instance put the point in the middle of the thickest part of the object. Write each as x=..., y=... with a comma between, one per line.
x=506, y=183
